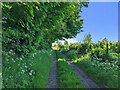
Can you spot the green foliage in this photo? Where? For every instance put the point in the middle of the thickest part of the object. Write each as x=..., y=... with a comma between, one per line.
x=98, y=52
x=101, y=49
x=82, y=49
x=99, y=60
x=66, y=46
x=61, y=59
x=29, y=26
x=72, y=53
x=59, y=54
x=87, y=39
x=114, y=47
x=104, y=73
x=66, y=77
x=27, y=72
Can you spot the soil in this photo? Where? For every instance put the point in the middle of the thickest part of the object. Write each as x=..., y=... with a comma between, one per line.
x=89, y=83
x=52, y=80
x=83, y=77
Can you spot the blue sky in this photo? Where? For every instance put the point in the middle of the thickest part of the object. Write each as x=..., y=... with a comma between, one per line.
x=101, y=20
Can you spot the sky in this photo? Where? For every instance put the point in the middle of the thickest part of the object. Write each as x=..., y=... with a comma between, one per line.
x=103, y=0
x=101, y=20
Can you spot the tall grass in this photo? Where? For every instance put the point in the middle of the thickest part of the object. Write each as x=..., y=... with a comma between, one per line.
x=42, y=66
x=104, y=73
x=29, y=72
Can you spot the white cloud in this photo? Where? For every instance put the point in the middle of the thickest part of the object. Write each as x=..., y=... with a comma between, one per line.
x=72, y=40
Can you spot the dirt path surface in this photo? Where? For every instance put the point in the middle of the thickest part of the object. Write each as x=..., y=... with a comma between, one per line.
x=52, y=81
x=86, y=80
x=83, y=77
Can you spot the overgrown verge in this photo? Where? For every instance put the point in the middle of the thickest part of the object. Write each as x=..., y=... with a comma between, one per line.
x=29, y=72
x=102, y=72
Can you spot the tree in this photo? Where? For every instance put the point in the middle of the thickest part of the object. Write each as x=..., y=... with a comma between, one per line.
x=87, y=41
x=29, y=26
x=66, y=45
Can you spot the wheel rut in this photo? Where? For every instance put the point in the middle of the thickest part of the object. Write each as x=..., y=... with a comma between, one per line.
x=90, y=84
x=52, y=80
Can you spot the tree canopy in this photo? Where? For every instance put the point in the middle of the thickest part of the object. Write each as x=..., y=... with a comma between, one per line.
x=29, y=26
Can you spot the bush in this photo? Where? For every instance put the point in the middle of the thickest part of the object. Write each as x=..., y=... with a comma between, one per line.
x=72, y=53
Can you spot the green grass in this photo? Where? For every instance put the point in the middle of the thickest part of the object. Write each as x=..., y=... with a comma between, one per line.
x=102, y=73
x=42, y=66
x=66, y=77
x=0, y=63
x=59, y=54
x=0, y=80
x=29, y=72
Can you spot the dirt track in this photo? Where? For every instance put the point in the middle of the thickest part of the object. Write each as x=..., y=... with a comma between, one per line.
x=83, y=77
x=52, y=81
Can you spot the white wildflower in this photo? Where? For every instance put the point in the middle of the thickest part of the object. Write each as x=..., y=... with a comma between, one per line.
x=25, y=66
x=7, y=59
x=22, y=56
x=33, y=55
x=30, y=73
x=21, y=59
x=12, y=59
x=18, y=64
x=23, y=71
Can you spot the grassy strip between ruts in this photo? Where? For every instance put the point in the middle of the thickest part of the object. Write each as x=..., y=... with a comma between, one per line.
x=107, y=77
x=66, y=77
